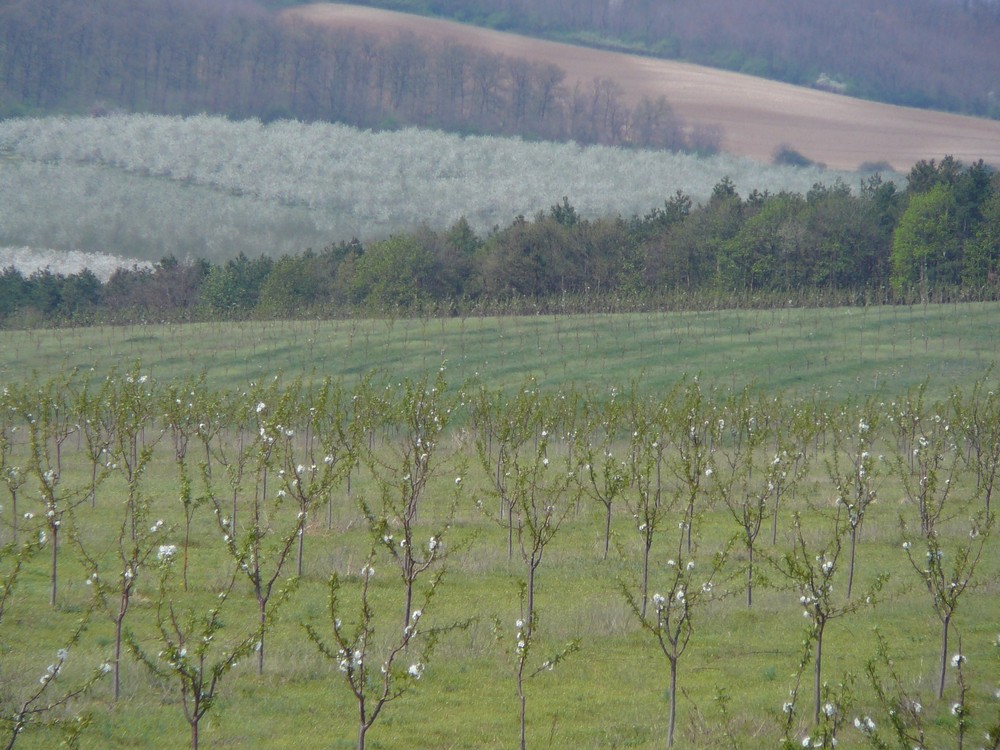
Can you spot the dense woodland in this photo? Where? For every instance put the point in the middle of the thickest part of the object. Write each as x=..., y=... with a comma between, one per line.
x=937, y=239
x=237, y=59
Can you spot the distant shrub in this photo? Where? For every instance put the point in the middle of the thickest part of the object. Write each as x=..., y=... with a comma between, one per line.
x=826, y=83
x=787, y=156
x=875, y=166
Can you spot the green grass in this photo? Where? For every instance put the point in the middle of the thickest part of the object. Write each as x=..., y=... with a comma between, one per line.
x=612, y=693
x=836, y=352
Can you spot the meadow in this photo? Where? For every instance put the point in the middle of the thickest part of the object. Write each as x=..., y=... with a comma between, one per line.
x=477, y=469
x=836, y=353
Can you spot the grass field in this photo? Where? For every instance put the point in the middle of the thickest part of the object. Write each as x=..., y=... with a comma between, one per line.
x=612, y=691
x=835, y=352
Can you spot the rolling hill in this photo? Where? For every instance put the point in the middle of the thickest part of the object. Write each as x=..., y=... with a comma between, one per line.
x=757, y=116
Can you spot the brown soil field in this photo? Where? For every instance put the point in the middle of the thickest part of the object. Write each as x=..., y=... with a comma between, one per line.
x=756, y=116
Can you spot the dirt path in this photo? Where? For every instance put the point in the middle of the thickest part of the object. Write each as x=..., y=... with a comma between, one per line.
x=756, y=116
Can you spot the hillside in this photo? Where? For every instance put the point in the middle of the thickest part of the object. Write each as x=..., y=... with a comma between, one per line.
x=382, y=71
x=756, y=116
x=934, y=54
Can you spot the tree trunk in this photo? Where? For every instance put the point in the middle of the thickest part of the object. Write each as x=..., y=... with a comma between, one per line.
x=607, y=530
x=671, y=722
x=55, y=564
x=408, y=604
x=531, y=598
x=523, y=702
x=122, y=609
x=187, y=545
x=299, y=551
x=818, y=671
x=850, y=567
x=945, y=623
x=774, y=520
x=645, y=576
x=262, y=606
x=362, y=723
x=510, y=531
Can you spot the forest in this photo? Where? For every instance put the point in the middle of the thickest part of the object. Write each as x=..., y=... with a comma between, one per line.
x=939, y=239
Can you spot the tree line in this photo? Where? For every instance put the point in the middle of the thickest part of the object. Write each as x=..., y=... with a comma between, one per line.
x=239, y=60
x=937, y=239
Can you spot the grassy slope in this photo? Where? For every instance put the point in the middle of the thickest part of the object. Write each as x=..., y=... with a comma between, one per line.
x=840, y=351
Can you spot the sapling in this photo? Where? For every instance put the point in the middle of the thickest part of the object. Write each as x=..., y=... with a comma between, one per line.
x=539, y=493
x=902, y=709
x=811, y=570
x=644, y=498
x=749, y=501
x=183, y=404
x=525, y=634
x=854, y=472
x=749, y=495
x=228, y=440
x=908, y=722
x=261, y=545
x=947, y=572
x=11, y=474
x=686, y=591
x=905, y=415
x=927, y=471
x=131, y=554
x=837, y=702
x=327, y=456
x=978, y=421
x=132, y=407
x=934, y=458
x=191, y=650
x=402, y=470
x=97, y=426
x=46, y=414
x=37, y=701
x=603, y=476
x=370, y=666
x=807, y=422
x=690, y=425
x=541, y=490
x=503, y=427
